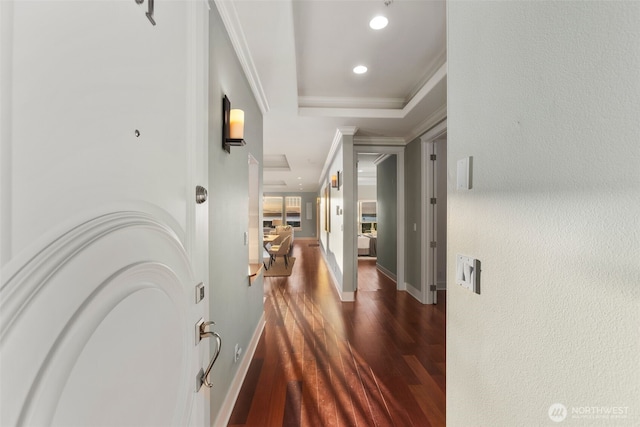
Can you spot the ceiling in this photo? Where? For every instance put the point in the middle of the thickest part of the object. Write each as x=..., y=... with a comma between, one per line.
x=298, y=56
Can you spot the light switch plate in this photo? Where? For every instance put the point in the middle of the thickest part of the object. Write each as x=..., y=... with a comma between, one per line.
x=468, y=273
x=464, y=173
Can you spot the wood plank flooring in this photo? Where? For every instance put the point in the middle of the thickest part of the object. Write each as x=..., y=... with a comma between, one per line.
x=378, y=361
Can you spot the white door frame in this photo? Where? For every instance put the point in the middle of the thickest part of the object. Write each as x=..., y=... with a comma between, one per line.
x=398, y=150
x=427, y=217
x=197, y=224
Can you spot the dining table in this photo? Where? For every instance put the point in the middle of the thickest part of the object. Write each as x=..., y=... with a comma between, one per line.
x=269, y=238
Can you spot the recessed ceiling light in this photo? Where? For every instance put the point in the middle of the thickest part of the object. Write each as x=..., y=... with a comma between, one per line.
x=360, y=170
x=299, y=177
x=379, y=22
x=360, y=69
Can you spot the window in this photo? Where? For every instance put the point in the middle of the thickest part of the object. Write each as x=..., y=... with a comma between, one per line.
x=272, y=211
x=293, y=210
x=368, y=217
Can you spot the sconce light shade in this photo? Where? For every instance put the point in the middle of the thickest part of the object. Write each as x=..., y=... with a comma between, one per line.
x=232, y=126
x=236, y=124
x=334, y=181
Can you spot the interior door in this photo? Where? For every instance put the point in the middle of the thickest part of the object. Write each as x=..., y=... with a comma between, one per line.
x=432, y=222
x=103, y=244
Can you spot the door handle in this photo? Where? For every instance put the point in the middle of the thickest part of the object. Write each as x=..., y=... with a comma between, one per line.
x=203, y=376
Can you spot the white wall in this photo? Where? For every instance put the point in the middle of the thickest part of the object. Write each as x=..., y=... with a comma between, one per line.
x=546, y=98
x=334, y=246
x=340, y=243
x=324, y=236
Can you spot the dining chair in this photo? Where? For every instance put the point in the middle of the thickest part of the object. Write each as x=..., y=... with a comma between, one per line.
x=281, y=249
x=266, y=256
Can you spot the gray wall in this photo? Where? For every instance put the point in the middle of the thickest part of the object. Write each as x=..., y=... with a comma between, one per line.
x=308, y=225
x=235, y=306
x=413, y=214
x=387, y=196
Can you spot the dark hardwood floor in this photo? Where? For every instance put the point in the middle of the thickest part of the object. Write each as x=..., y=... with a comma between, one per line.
x=378, y=361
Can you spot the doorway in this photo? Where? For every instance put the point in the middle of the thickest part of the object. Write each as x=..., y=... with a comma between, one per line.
x=389, y=238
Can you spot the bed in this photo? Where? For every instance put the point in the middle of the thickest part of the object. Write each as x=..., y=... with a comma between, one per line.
x=367, y=245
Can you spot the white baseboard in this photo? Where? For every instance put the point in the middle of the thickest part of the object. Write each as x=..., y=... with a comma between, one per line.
x=348, y=296
x=230, y=400
x=441, y=286
x=387, y=273
x=414, y=293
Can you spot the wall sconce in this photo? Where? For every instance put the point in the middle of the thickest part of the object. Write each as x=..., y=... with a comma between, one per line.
x=232, y=126
x=336, y=180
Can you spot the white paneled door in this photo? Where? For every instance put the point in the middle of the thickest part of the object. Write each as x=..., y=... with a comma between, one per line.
x=103, y=245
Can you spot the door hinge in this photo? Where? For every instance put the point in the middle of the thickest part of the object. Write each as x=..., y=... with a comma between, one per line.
x=432, y=288
x=432, y=244
x=433, y=157
x=433, y=201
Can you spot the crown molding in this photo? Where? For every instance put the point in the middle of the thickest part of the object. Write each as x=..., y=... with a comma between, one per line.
x=428, y=87
x=435, y=132
x=350, y=102
x=229, y=16
x=381, y=158
x=274, y=183
x=347, y=130
x=434, y=67
x=379, y=140
x=363, y=113
x=432, y=120
x=337, y=140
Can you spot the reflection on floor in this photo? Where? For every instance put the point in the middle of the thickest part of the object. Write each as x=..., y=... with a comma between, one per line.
x=377, y=361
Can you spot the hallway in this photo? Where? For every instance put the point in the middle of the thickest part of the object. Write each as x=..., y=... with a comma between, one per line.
x=377, y=361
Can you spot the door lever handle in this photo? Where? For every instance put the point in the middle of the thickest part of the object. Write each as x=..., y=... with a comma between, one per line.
x=203, y=376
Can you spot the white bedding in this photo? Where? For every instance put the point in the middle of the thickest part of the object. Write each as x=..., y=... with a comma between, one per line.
x=363, y=245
